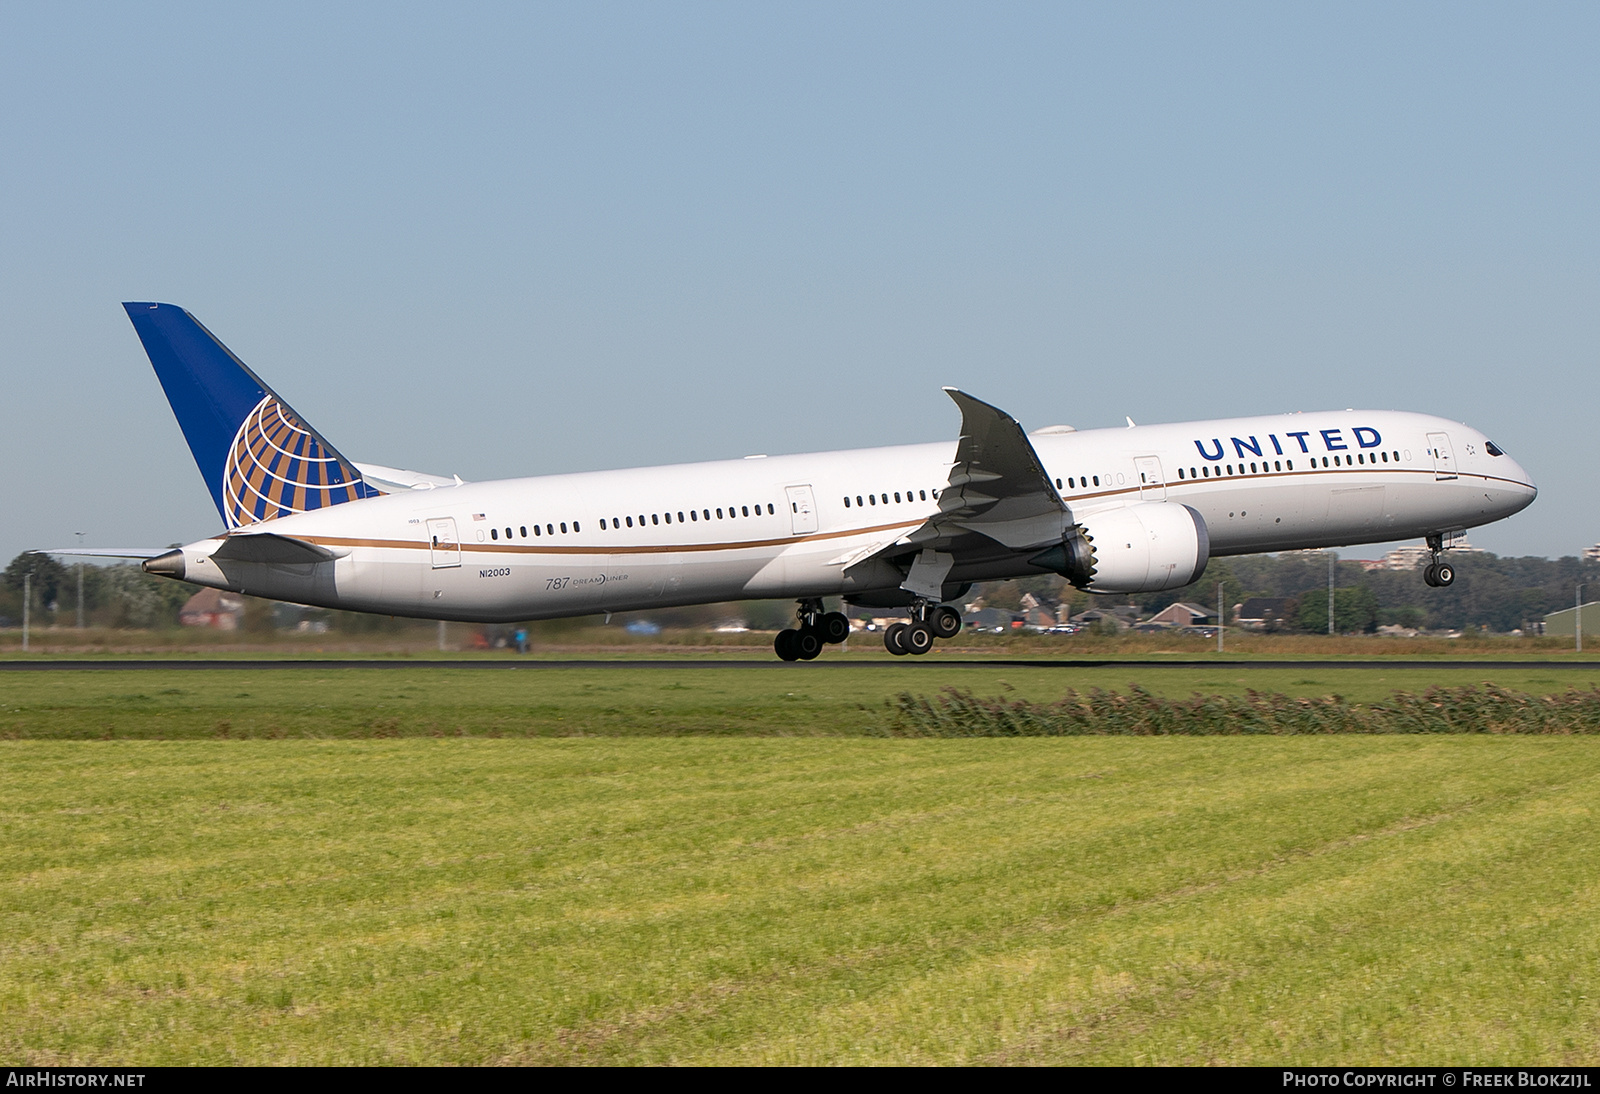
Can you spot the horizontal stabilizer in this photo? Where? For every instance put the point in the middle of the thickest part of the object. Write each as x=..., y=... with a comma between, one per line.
x=394, y=480
x=105, y=552
x=270, y=547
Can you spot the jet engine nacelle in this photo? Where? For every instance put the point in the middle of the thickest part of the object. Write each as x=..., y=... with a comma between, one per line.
x=1141, y=548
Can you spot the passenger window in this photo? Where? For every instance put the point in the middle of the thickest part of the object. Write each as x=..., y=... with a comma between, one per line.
x=1252, y=469
x=655, y=518
x=669, y=518
x=1058, y=484
x=563, y=527
x=719, y=511
x=1180, y=472
x=770, y=510
x=693, y=515
x=1097, y=480
x=1397, y=457
x=630, y=522
x=1192, y=474
x=508, y=533
x=872, y=499
x=576, y=527
x=680, y=516
x=897, y=496
x=886, y=499
x=858, y=501
x=602, y=524
x=1291, y=465
x=847, y=501
x=924, y=494
x=1385, y=457
x=494, y=533
x=535, y=529
x=706, y=513
x=1277, y=465
x=746, y=510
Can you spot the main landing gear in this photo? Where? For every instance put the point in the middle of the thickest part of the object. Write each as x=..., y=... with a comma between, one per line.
x=817, y=628
x=1439, y=574
x=928, y=622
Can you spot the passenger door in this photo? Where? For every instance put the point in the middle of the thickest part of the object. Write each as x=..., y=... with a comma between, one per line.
x=1444, y=461
x=443, y=544
x=802, y=509
x=1151, y=482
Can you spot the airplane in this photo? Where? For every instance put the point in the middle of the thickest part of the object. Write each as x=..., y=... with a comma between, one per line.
x=910, y=527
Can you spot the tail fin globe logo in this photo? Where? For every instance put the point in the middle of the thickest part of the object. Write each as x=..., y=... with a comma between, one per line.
x=277, y=466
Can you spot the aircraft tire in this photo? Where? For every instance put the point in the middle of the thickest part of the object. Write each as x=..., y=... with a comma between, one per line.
x=1430, y=575
x=946, y=622
x=1444, y=575
x=808, y=643
x=894, y=639
x=918, y=639
x=834, y=627
x=787, y=645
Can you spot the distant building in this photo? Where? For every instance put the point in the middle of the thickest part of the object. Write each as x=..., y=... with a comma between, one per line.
x=1182, y=614
x=1407, y=558
x=1259, y=613
x=212, y=608
x=1592, y=554
x=1561, y=623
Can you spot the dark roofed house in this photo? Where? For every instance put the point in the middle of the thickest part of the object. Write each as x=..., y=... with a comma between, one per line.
x=1260, y=613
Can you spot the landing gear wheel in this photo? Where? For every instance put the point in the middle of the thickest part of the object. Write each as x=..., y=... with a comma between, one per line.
x=894, y=639
x=1444, y=575
x=834, y=627
x=918, y=639
x=807, y=643
x=946, y=622
x=1430, y=575
x=787, y=645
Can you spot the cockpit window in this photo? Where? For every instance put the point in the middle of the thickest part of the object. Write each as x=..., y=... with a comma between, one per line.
x=1492, y=448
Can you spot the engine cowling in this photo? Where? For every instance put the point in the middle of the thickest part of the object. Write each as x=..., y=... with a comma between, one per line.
x=1140, y=548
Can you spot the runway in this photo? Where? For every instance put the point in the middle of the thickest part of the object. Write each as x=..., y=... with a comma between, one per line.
x=207, y=664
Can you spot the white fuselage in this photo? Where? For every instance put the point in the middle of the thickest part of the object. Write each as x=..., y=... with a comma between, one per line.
x=781, y=526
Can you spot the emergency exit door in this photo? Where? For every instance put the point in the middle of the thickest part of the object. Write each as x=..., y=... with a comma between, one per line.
x=443, y=544
x=1151, y=482
x=1444, y=461
x=802, y=509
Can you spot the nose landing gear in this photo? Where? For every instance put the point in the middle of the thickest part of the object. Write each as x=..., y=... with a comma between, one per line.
x=928, y=622
x=818, y=628
x=1438, y=574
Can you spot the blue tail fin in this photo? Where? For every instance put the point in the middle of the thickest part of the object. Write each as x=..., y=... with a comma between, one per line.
x=259, y=458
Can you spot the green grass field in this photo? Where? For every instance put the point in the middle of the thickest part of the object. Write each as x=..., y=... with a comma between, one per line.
x=649, y=881
x=806, y=700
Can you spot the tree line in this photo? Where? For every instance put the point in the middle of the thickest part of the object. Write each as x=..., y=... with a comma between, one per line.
x=1490, y=592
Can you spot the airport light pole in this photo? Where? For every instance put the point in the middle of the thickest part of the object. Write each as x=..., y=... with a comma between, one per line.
x=27, y=596
x=1219, y=617
x=1332, y=559
x=1577, y=620
x=80, y=536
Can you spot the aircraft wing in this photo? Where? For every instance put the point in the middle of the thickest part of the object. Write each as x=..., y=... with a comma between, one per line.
x=998, y=501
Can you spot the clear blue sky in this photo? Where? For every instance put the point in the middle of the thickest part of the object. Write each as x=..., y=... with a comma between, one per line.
x=502, y=240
